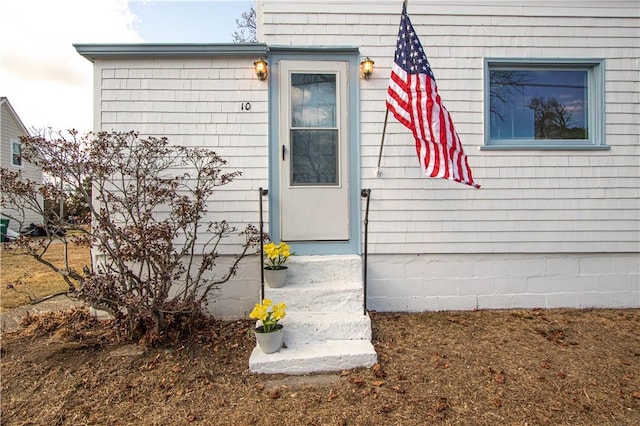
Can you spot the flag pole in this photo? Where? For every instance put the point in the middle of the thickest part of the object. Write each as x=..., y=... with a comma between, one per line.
x=384, y=131
x=384, y=128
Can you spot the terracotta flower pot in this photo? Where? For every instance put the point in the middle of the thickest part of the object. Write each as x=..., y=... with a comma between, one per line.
x=270, y=342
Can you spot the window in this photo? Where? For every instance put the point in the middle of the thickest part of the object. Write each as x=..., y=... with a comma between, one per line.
x=16, y=153
x=314, y=129
x=544, y=105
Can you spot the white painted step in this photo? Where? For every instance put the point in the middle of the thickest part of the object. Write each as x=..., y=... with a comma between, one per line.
x=318, y=297
x=331, y=355
x=325, y=328
x=324, y=269
x=322, y=284
x=304, y=328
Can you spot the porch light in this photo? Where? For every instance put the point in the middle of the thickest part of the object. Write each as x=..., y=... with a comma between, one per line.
x=262, y=70
x=366, y=68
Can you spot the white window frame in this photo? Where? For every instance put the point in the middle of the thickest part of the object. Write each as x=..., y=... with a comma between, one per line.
x=14, y=143
x=595, y=98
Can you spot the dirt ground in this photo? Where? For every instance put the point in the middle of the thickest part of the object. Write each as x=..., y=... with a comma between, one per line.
x=512, y=367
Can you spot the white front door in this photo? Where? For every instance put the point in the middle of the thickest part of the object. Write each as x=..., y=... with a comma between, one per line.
x=314, y=151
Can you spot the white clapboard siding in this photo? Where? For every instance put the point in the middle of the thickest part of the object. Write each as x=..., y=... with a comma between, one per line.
x=530, y=201
x=195, y=102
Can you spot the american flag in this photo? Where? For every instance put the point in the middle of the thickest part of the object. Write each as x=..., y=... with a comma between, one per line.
x=413, y=99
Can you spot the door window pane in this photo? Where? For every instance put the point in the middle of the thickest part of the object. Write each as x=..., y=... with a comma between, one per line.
x=314, y=155
x=313, y=100
x=315, y=135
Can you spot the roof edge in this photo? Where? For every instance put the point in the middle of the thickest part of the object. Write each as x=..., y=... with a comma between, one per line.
x=320, y=50
x=146, y=50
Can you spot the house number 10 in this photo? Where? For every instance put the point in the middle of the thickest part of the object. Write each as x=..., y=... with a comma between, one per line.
x=245, y=106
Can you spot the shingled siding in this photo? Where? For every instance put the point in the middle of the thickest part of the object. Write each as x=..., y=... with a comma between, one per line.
x=530, y=201
x=548, y=228
x=212, y=102
x=215, y=103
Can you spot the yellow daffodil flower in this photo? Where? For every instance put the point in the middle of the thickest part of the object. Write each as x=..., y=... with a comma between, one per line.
x=269, y=318
x=276, y=254
x=259, y=312
x=279, y=311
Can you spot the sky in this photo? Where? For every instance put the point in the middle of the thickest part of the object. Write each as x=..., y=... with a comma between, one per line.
x=50, y=85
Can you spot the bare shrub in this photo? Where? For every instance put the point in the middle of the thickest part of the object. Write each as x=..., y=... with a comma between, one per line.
x=158, y=253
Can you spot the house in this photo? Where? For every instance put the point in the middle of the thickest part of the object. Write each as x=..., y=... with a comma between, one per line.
x=545, y=100
x=11, y=129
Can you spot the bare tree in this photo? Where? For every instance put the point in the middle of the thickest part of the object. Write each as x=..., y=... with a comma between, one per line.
x=246, y=28
x=552, y=120
x=503, y=85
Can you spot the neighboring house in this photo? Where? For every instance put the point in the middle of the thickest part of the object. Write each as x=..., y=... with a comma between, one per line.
x=11, y=129
x=557, y=220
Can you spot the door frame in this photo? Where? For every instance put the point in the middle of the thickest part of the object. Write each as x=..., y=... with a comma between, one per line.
x=351, y=56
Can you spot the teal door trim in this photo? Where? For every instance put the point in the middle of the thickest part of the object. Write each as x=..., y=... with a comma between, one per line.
x=351, y=56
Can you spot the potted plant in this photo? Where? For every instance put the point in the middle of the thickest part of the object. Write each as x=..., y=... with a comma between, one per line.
x=276, y=255
x=269, y=335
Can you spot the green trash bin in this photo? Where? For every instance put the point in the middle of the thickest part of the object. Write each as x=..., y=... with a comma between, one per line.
x=4, y=225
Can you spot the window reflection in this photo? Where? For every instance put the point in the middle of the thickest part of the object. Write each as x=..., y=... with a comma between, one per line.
x=16, y=153
x=313, y=100
x=314, y=132
x=538, y=104
x=314, y=156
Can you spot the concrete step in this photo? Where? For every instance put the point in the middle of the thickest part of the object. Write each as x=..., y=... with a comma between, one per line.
x=330, y=355
x=325, y=328
x=304, y=328
x=324, y=269
x=321, y=284
x=331, y=297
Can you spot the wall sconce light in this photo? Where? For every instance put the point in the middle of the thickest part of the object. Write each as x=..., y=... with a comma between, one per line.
x=366, y=68
x=262, y=70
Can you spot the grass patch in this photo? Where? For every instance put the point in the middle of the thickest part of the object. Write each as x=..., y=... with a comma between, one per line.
x=32, y=279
